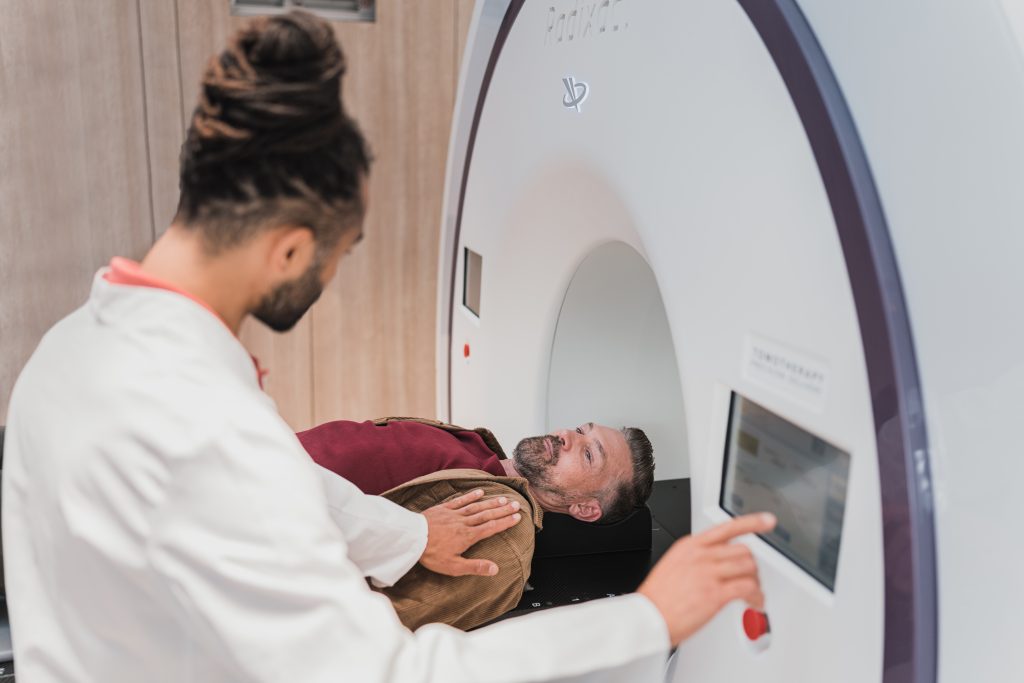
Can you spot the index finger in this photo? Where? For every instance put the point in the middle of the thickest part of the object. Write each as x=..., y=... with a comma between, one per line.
x=464, y=499
x=758, y=523
x=495, y=526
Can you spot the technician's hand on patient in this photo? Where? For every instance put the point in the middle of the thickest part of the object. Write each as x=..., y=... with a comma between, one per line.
x=701, y=574
x=455, y=526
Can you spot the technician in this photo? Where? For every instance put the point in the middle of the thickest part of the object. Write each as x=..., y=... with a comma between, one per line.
x=161, y=522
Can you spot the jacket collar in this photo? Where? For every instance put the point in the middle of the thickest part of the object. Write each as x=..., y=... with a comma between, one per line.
x=175, y=319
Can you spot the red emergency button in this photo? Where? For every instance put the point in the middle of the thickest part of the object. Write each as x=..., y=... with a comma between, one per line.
x=755, y=624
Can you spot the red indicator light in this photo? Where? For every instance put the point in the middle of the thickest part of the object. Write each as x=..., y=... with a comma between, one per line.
x=465, y=351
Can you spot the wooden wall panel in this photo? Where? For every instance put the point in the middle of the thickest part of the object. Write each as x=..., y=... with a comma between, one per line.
x=90, y=133
x=464, y=11
x=373, y=334
x=158, y=23
x=74, y=186
x=203, y=30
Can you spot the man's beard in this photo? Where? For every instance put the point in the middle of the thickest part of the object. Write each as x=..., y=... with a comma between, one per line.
x=530, y=458
x=282, y=308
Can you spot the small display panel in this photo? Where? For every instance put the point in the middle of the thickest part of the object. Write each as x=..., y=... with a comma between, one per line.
x=472, y=265
x=771, y=465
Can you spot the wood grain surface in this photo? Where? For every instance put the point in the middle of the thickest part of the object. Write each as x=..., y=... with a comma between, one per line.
x=90, y=131
x=373, y=333
x=74, y=172
x=165, y=122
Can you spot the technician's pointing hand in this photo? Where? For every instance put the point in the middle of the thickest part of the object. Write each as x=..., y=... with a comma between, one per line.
x=701, y=574
x=455, y=526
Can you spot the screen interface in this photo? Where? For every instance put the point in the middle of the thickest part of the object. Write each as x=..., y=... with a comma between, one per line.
x=771, y=465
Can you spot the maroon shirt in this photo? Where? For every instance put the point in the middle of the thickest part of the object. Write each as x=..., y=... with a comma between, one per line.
x=379, y=458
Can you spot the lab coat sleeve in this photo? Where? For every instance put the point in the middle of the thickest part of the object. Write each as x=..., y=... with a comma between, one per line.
x=254, y=569
x=384, y=539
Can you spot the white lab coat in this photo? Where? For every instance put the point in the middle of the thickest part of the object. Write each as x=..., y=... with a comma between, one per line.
x=161, y=522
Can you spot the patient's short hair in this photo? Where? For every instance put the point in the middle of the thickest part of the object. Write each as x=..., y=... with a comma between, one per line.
x=632, y=494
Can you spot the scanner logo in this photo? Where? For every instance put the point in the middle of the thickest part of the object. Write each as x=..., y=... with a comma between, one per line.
x=575, y=93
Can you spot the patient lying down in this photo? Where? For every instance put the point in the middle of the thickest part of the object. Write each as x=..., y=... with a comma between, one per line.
x=593, y=473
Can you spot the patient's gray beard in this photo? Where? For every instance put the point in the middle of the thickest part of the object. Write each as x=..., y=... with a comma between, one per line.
x=530, y=459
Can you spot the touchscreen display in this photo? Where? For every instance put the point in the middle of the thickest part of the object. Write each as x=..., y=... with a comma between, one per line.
x=771, y=465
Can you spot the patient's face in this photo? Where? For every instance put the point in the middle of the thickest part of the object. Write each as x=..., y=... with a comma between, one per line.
x=571, y=463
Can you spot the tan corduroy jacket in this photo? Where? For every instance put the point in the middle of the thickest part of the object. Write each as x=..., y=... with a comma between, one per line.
x=423, y=597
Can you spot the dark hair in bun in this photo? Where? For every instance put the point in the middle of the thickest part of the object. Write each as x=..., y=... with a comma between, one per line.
x=269, y=141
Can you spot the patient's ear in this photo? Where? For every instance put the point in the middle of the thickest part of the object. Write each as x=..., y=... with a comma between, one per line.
x=588, y=510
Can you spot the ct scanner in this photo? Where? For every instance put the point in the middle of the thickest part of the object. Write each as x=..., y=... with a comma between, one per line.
x=784, y=237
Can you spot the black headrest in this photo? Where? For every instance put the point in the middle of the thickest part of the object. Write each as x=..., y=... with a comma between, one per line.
x=564, y=536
